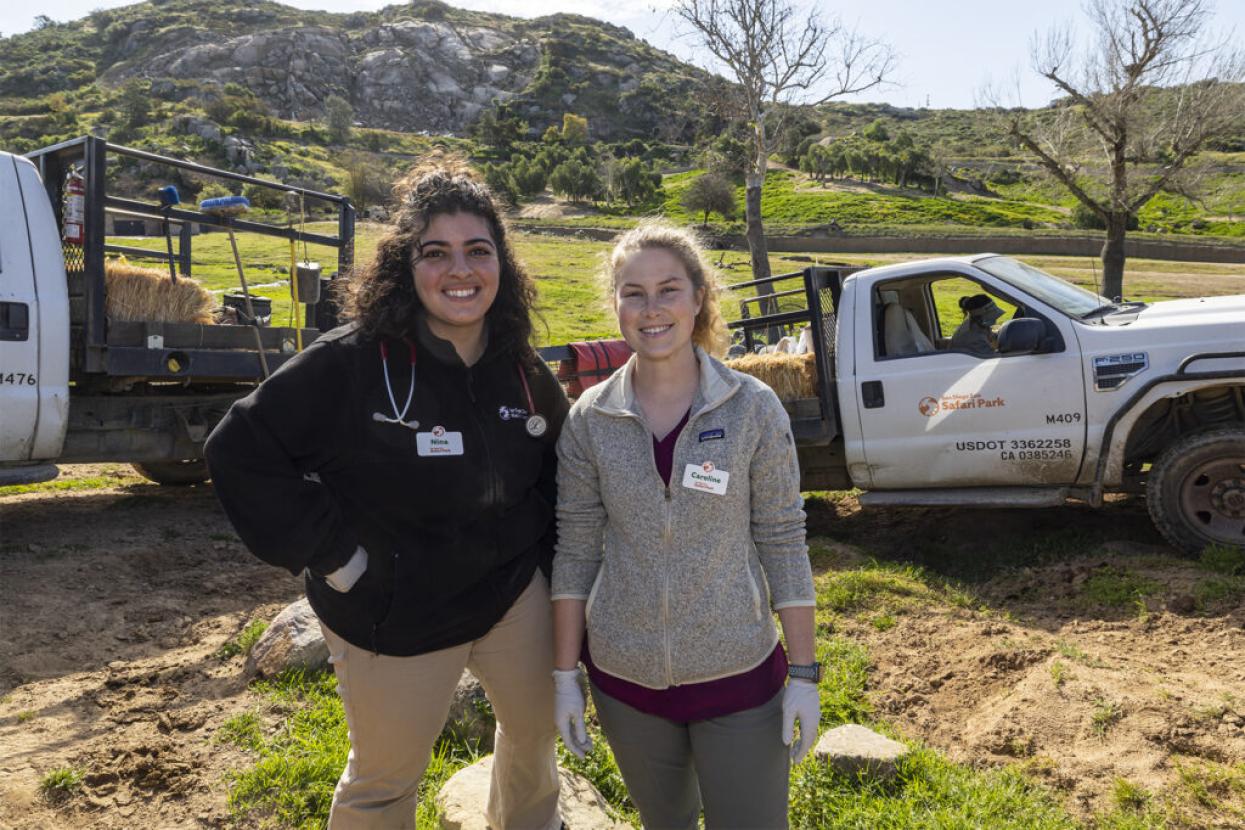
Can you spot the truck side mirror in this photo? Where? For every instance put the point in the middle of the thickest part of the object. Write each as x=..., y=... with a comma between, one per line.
x=1022, y=336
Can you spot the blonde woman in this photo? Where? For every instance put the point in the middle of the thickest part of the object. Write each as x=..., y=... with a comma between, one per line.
x=680, y=526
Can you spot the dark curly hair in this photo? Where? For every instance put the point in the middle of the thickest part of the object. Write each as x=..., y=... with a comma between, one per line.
x=380, y=296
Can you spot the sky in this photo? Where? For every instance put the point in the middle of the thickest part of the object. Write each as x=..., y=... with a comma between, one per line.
x=948, y=52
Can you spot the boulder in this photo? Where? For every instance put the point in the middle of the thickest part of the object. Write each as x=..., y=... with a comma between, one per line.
x=471, y=717
x=462, y=800
x=293, y=640
x=855, y=750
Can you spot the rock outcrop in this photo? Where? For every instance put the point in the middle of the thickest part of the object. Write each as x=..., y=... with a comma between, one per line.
x=420, y=67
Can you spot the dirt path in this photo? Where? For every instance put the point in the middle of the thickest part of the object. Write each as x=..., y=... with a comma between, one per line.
x=113, y=606
x=115, y=602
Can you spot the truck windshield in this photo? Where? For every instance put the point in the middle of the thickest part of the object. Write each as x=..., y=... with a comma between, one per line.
x=1064, y=296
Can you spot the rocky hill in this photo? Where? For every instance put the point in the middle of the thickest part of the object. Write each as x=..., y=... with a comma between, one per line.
x=422, y=66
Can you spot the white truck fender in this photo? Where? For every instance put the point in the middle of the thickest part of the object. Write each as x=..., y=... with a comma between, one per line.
x=1111, y=473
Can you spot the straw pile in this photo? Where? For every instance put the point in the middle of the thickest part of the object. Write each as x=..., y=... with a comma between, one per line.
x=136, y=293
x=791, y=376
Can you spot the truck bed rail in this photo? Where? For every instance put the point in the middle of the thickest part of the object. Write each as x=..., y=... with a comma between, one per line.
x=101, y=347
x=814, y=421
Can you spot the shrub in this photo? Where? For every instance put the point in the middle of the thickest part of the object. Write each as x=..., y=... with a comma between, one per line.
x=213, y=190
x=629, y=181
x=729, y=156
x=574, y=129
x=1086, y=219
x=60, y=784
x=710, y=193
x=575, y=180
x=338, y=118
x=266, y=198
x=530, y=177
x=501, y=182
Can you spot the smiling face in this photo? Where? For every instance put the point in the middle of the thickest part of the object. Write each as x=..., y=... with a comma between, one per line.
x=457, y=272
x=656, y=303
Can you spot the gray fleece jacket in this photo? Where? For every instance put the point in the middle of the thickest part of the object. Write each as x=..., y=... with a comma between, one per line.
x=679, y=579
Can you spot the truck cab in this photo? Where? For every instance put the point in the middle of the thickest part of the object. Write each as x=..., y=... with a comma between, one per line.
x=34, y=324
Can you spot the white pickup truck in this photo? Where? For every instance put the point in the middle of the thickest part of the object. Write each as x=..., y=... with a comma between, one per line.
x=1079, y=397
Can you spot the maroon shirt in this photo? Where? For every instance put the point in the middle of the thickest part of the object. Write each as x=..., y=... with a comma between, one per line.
x=693, y=701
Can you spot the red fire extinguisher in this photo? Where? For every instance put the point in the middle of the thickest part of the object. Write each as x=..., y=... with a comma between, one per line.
x=74, y=213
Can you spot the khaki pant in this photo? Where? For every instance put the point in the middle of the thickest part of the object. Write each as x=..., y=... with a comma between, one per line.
x=397, y=706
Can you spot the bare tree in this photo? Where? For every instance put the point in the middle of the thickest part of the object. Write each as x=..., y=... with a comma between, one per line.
x=780, y=56
x=1139, y=99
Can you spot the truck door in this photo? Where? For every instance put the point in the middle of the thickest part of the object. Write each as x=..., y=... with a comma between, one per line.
x=938, y=413
x=34, y=319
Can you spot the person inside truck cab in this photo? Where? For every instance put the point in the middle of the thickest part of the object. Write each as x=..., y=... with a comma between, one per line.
x=976, y=334
x=405, y=463
x=680, y=530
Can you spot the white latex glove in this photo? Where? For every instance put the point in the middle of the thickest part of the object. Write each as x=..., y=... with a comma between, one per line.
x=568, y=711
x=800, y=701
x=344, y=578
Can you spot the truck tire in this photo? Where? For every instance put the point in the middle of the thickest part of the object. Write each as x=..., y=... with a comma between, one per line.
x=191, y=471
x=1196, y=489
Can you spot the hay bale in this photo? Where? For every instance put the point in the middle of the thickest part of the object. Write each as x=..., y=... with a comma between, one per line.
x=791, y=376
x=135, y=293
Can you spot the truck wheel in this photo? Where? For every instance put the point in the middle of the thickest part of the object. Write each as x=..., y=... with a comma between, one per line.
x=192, y=471
x=1196, y=490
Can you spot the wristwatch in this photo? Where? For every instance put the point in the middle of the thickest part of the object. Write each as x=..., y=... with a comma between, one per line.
x=810, y=672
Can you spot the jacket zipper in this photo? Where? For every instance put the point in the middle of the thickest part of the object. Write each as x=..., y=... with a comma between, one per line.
x=666, y=534
x=488, y=450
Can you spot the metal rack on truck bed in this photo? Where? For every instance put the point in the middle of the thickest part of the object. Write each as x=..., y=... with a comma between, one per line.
x=186, y=352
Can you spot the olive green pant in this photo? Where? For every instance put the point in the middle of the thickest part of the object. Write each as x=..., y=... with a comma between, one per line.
x=736, y=765
x=396, y=706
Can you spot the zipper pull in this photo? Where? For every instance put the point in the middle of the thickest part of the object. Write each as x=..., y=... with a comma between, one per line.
x=667, y=492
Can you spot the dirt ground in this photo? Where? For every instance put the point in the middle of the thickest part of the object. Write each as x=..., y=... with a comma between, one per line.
x=114, y=604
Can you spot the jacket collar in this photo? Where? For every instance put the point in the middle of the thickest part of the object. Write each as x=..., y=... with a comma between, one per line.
x=443, y=351
x=717, y=384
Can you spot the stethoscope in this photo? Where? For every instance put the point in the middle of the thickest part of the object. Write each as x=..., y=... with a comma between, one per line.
x=536, y=424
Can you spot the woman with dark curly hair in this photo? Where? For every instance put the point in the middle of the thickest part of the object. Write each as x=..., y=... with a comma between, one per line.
x=405, y=464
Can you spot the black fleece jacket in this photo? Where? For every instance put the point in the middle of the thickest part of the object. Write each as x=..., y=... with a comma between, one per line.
x=307, y=474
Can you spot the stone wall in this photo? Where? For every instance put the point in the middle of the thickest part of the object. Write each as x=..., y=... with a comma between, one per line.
x=1177, y=250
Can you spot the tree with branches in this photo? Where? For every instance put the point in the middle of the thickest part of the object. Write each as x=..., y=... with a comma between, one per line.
x=779, y=57
x=710, y=193
x=1147, y=91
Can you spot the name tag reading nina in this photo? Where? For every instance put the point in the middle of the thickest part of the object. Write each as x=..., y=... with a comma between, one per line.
x=706, y=477
x=438, y=442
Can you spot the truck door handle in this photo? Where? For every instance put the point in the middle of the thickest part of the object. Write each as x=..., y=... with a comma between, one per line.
x=871, y=394
x=14, y=321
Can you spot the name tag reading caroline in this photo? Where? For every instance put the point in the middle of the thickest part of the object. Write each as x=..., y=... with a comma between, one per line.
x=706, y=477
x=438, y=442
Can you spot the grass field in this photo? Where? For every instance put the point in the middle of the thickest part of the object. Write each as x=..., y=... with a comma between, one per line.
x=296, y=766
x=573, y=308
